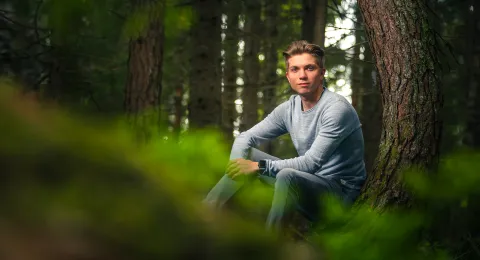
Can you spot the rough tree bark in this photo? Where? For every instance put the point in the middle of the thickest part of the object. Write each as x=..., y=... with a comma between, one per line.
x=405, y=55
x=144, y=80
x=365, y=95
x=230, y=46
x=251, y=64
x=314, y=21
x=205, y=102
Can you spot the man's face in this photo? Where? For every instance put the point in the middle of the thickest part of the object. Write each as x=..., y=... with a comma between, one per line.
x=304, y=74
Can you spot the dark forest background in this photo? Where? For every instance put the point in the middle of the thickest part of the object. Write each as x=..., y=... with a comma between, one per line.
x=117, y=116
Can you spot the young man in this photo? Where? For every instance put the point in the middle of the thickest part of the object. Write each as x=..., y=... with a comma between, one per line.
x=325, y=131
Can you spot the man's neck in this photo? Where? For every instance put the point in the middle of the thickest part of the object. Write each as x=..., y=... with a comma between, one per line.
x=311, y=100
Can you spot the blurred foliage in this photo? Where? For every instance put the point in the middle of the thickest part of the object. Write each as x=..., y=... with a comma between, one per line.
x=451, y=200
x=87, y=190
x=365, y=234
x=177, y=18
x=457, y=179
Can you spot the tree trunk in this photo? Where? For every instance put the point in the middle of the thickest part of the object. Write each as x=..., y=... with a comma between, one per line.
x=271, y=62
x=365, y=95
x=472, y=70
x=251, y=64
x=205, y=102
x=314, y=21
x=230, y=69
x=403, y=45
x=144, y=80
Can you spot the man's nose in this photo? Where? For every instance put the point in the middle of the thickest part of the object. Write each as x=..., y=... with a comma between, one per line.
x=303, y=75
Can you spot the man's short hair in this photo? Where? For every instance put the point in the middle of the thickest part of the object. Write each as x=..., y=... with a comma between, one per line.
x=301, y=47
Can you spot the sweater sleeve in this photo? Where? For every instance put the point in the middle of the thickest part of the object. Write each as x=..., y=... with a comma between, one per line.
x=337, y=123
x=272, y=126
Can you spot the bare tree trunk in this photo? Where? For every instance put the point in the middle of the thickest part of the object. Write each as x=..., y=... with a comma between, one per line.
x=365, y=95
x=271, y=62
x=251, y=64
x=144, y=81
x=233, y=8
x=314, y=21
x=403, y=45
x=205, y=104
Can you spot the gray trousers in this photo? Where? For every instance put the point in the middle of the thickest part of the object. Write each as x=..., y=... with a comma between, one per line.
x=293, y=190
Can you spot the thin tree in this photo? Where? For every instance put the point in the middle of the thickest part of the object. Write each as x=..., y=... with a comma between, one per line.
x=144, y=80
x=314, y=21
x=205, y=101
x=230, y=45
x=270, y=47
x=251, y=64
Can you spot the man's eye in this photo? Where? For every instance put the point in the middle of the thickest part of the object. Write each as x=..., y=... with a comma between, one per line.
x=293, y=69
x=310, y=68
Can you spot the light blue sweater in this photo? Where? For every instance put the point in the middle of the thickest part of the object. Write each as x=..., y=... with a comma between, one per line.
x=328, y=139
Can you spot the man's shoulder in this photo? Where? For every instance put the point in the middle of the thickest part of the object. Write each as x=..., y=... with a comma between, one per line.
x=337, y=106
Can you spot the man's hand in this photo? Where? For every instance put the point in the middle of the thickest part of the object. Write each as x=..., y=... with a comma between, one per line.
x=241, y=166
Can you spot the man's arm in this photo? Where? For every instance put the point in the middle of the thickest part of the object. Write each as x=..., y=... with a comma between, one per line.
x=338, y=123
x=270, y=127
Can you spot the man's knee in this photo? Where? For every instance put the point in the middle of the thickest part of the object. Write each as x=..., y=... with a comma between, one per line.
x=285, y=175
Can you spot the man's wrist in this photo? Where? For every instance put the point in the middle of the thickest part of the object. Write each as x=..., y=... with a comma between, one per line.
x=262, y=166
